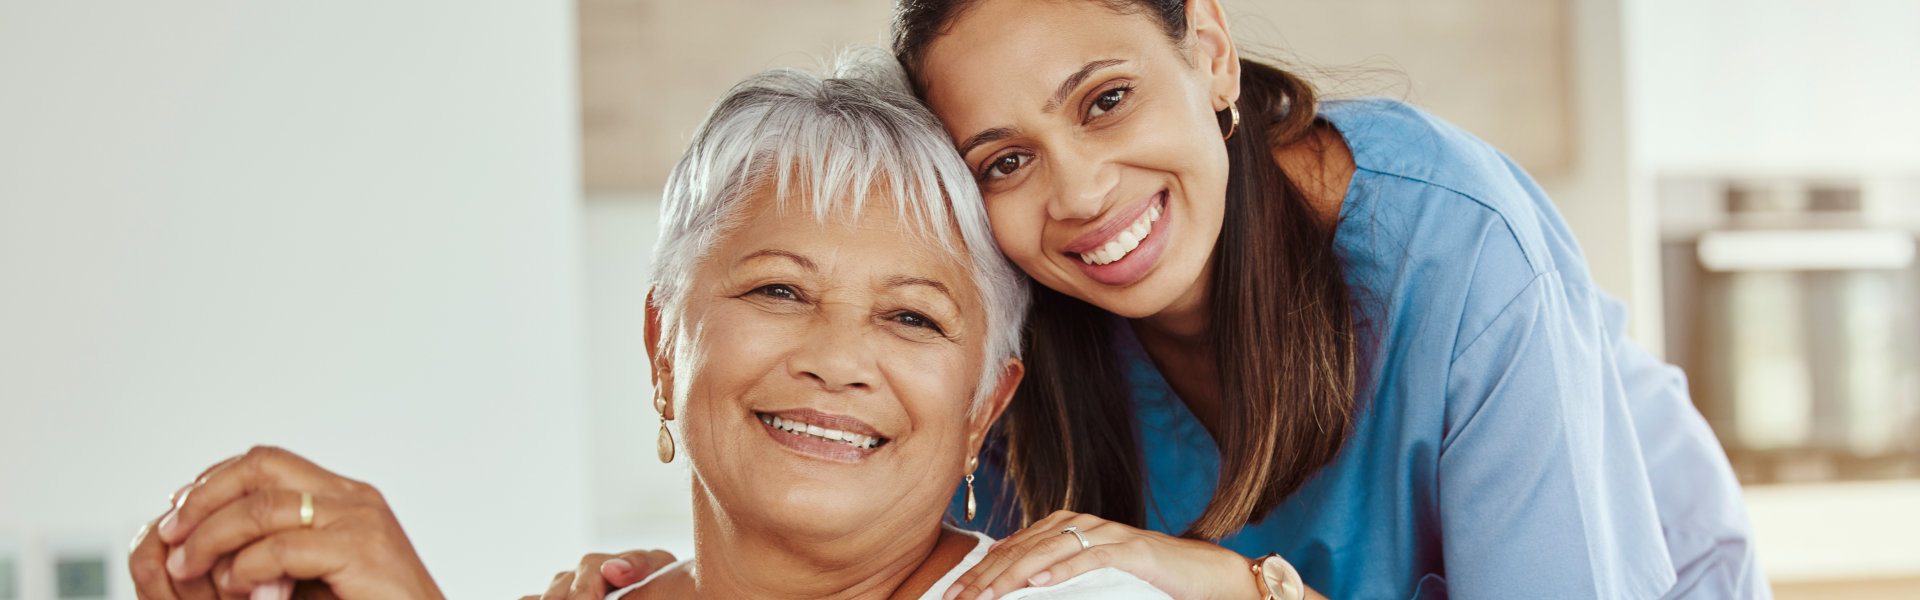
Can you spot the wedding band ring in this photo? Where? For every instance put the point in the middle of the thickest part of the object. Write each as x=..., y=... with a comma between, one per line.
x=1075, y=530
x=306, y=510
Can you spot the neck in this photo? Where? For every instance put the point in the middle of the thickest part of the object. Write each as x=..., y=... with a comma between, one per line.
x=876, y=563
x=1184, y=322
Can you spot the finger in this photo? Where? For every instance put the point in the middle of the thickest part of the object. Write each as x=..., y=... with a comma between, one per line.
x=147, y=564
x=558, y=589
x=1120, y=556
x=587, y=583
x=232, y=527
x=261, y=468
x=1043, y=542
x=222, y=569
x=1040, y=554
x=632, y=567
x=278, y=589
x=295, y=554
x=180, y=495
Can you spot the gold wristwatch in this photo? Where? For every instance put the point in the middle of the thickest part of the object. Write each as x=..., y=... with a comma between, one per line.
x=1277, y=579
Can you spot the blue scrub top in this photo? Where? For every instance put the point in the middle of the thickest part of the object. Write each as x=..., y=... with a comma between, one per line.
x=1512, y=442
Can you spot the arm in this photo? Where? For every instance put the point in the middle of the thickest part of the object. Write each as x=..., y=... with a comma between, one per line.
x=1542, y=489
x=1701, y=511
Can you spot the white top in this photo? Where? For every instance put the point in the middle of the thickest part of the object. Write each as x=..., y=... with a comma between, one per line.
x=1098, y=584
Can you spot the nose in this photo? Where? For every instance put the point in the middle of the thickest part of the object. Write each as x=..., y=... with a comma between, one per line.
x=1082, y=182
x=836, y=357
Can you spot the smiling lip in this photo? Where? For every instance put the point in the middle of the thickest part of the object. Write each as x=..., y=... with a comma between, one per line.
x=1134, y=266
x=1115, y=224
x=815, y=445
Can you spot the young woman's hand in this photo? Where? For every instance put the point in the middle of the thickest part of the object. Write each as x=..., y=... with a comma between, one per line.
x=245, y=515
x=600, y=574
x=1042, y=555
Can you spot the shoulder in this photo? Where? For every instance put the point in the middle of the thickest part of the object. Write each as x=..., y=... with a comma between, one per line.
x=1410, y=162
x=1395, y=138
x=1440, y=218
x=1102, y=584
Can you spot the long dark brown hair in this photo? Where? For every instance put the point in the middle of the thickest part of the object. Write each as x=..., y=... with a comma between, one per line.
x=1281, y=328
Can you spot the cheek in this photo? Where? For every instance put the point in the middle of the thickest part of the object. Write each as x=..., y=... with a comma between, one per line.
x=732, y=354
x=935, y=385
x=1019, y=221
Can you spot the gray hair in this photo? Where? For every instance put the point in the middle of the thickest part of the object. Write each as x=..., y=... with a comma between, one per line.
x=835, y=139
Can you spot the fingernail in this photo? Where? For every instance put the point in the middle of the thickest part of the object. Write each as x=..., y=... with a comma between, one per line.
x=268, y=591
x=621, y=565
x=1040, y=579
x=952, y=591
x=986, y=595
x=177, y=562
x=169, y=523
x=178, y=495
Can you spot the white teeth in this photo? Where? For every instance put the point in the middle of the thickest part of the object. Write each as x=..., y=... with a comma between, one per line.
x=833, y=435
x=1123, y=243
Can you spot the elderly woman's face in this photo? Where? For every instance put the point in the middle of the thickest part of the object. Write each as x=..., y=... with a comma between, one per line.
x=822, y=373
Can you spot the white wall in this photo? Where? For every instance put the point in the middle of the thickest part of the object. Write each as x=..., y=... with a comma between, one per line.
x=637, y=501
x=344, y=227
x=1807, y=86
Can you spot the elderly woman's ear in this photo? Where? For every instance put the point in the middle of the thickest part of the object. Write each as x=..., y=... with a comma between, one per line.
x=991, y=407
x=659, y=357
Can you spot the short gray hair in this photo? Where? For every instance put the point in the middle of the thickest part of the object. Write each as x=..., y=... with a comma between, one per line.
x=835, y=138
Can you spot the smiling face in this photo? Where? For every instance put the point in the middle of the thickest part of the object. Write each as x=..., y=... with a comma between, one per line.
x=821, y=374
x=1094, y=140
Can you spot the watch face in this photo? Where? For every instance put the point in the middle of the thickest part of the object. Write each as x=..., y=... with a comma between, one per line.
x=1282, y=581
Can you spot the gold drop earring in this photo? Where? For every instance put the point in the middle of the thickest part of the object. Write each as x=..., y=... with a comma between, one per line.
x=972, y=463
x=666, y=435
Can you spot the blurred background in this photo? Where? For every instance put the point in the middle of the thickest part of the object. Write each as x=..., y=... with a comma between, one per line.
x=408, y=239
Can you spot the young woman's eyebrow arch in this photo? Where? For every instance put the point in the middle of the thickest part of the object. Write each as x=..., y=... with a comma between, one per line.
x=1059, y=96
x=1073, y=81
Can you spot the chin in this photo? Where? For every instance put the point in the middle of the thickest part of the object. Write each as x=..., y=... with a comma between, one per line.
x=817, y=514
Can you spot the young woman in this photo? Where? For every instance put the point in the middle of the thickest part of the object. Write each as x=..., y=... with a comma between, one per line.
x=1345, y=337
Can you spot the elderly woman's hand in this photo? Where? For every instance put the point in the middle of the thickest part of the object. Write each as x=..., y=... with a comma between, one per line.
x=268, y=518
x=1042, y=555
x=600, y=574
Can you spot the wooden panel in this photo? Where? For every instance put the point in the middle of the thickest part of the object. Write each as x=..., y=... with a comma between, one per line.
x=651, y=68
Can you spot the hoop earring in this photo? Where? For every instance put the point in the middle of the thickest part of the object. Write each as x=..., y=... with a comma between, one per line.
x=666, y=444
x=972, y=463
x=1234, y=112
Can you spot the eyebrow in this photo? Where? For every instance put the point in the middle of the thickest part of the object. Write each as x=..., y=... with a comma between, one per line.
x=894, y=281
x=1059, y=95
x=804, y=262
x=1073, y=81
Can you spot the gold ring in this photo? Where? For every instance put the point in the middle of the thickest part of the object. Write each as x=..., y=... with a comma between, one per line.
x=1075, y=530
x=306, y=510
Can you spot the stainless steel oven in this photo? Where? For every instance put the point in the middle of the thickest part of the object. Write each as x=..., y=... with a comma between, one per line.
x=1794, y=306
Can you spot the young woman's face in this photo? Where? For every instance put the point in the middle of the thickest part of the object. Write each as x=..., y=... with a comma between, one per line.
x=1094, y=140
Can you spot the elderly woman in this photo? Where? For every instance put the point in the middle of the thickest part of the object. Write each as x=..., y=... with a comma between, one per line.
x=830, y=339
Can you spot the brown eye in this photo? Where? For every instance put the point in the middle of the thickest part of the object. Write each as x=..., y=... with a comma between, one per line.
x=1107, y=101
x=913, y=319
x=1006, y=165
x=777, y=291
